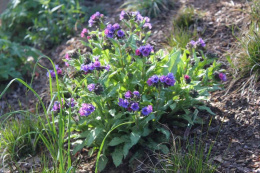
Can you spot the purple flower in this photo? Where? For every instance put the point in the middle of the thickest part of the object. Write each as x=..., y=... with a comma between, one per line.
x=96, y=64
x=139, y=17
x=193, y=43
x=135, y=106
x=122, y=15
x=107, y=67
x=93, y=18
x=147, y=19
x=147, y=110
x=137, y=52
x=123, y=103
x=128, y=94
x=116, y=26
x=120, y=33
x=91, y=87
x=72, y=102
x=67, y=57
x=110, y=34
x=110, y=28
x=187, y=78
x=150, y=108
x=147, y=25
x=201, y=42
x=223, y=77
x=149, y=82
x=171, y=76
x=155, y=79
x=162, y=78
x=56, y=106
x=83, y=32
x=146, y=50
x=86, y=109
x=136, y=93
x=169, y=81
x=91, y=66
x=84, y=68
x=67, y=64
x=51, y=72
x=135, y=13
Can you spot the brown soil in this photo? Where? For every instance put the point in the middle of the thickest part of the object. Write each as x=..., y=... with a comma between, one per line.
x=237, y=148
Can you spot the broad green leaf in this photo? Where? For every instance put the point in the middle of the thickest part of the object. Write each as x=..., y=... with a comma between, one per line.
x=115, y=141
x=135, y=136
x=165, y=132
x=102, y=163
x=117, y=156
x=93, y=135
x=206, y=109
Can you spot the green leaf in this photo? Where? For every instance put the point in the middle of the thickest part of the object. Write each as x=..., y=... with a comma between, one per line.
x=164, y=149
x=112, y=112
x=173, y=62
x=115, y=141
x=173, y=106
x=78, y=147
x=93, y=135
x=126, y=148
x=206, y=109
x=165, y=132
x=117, y=156
x=135, y=136
x=102, y=163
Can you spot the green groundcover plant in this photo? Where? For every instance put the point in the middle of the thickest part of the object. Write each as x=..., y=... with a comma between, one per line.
x=121, y=90
x=13, y=59
x=42, y=23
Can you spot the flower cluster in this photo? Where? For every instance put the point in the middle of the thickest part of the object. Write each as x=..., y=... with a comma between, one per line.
x=96, y=88
x=137, y=16
x=87, y=68
x=199, y=42
x=94, y=18
x=86, y=109
x=187, y=79
x=220, y=76
x=144, y=50
x=83, y=32
x=168, y=80
x=52, y=73
x=67, y=58
x=147, y=110
x=111, y=30
x=57, y=106
x=72, y=102
x=223, y=77
x=131, y=104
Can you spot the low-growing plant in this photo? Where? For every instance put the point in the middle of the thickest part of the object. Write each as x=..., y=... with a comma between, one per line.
x=18, y=139
x=57, y=129
x=184, y=28
x=188, y=158
x=123, y=89
x=152, y=8
x=42, y=23
x=13, y=59
x=247, y=49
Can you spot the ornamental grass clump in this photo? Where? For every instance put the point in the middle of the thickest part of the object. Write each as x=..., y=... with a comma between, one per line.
x=124, y=90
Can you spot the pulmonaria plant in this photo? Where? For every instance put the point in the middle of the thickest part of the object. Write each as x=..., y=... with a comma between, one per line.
x=122, y=82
